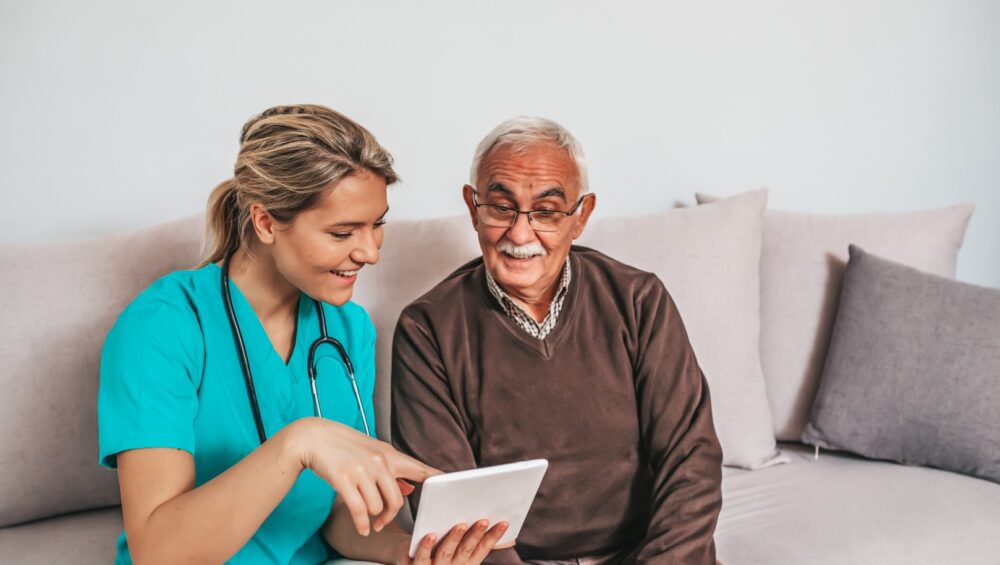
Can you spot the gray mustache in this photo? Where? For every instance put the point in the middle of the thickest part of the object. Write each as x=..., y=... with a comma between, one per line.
x=522, y=251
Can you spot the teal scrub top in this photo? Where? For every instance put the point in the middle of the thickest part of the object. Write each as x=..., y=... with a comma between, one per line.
x=171, y=377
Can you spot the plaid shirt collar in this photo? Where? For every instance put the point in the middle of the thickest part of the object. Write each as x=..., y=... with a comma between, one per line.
x=520, y=317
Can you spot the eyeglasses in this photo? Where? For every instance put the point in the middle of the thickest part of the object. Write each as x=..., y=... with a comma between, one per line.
x=497, y=216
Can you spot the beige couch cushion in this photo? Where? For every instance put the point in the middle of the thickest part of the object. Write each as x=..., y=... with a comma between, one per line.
x=802, y=265
x=84, y=537
x=709, y=259
x=59, y=301
x=842, y=509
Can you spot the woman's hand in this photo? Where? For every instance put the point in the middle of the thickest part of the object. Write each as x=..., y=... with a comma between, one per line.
x=462, y=545
x=364, y=471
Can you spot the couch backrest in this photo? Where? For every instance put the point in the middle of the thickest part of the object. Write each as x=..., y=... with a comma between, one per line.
x=58, y=303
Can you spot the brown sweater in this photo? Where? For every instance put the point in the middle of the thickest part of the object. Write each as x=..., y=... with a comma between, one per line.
x=613, y=397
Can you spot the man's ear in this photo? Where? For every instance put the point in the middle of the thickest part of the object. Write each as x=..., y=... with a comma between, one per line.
x=263, y=223
x=467, y=195
x=586, y=209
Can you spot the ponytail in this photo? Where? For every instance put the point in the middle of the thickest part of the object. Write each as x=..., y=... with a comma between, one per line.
x=224, y=224
x=289, y=157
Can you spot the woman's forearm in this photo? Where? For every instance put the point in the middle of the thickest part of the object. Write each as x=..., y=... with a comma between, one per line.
x=212, y=522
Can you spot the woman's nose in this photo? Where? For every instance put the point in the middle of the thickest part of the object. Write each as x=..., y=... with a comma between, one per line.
x=368, y=250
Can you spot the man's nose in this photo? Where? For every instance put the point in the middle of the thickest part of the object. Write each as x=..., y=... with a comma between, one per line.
x=521, y=232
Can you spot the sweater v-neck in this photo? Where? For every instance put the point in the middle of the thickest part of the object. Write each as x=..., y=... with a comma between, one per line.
x=544, y=348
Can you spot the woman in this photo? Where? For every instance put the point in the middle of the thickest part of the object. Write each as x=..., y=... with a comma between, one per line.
x=276, y=464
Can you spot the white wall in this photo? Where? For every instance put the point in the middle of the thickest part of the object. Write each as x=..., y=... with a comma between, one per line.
x=117, y=115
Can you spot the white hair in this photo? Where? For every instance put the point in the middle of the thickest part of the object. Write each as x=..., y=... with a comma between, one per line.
x=524, y=132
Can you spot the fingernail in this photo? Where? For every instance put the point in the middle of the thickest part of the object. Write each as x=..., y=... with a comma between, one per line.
x=405, y=487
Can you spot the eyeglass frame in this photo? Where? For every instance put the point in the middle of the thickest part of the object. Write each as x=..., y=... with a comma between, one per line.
x=528, y=213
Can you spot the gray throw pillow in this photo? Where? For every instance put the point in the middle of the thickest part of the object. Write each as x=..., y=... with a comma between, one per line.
x=913, y=370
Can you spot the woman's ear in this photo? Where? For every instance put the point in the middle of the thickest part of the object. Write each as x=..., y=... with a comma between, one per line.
x=263, y=223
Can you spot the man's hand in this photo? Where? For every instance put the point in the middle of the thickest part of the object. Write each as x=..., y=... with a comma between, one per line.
x=462, y=545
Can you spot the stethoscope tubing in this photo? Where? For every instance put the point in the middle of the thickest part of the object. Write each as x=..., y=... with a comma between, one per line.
x=311, y=363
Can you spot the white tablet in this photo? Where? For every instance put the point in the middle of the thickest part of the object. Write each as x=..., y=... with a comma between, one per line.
x=502, y=493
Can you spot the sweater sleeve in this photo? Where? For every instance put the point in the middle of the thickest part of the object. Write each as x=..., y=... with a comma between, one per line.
x=675, y=417
x=426, y=421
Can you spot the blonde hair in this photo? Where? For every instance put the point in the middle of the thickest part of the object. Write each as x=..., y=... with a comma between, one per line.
x=289, y=155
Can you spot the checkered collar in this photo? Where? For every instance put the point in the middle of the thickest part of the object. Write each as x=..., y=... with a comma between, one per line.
x=520, y=317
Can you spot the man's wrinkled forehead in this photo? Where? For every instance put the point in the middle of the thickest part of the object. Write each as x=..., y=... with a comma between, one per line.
x=499, y=189
x=547, y=170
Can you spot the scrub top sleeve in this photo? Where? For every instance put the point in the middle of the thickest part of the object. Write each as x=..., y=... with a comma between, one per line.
x=151, y=365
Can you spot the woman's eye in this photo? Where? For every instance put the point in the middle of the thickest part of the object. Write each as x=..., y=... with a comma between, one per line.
x=341, y=236
x=380, y=223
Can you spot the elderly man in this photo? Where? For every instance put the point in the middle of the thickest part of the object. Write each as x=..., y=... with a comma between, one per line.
x=540, y=349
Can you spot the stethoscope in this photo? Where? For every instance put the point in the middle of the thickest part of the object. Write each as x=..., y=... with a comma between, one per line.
x=245, y=362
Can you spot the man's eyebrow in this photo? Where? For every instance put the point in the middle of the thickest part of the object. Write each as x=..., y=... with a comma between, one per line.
x=499, y=187
x=554, y=191
x=355, y=224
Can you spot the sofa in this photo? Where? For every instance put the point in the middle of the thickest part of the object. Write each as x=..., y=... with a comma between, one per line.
x=758, y=290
